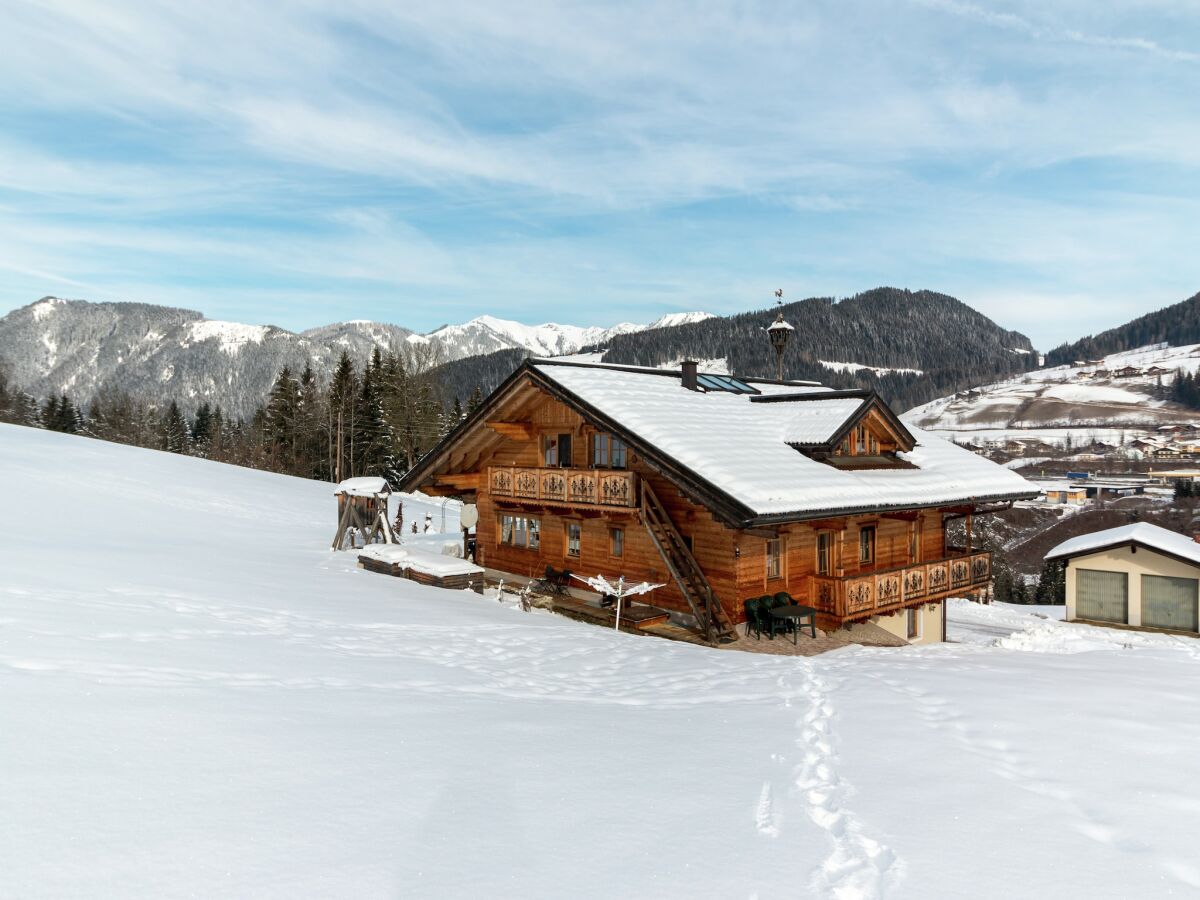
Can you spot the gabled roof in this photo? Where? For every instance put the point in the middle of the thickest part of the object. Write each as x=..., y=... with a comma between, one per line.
x=737, y=453
x=366, y=486
x=1140, y=534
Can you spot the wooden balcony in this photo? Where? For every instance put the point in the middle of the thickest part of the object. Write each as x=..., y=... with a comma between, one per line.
x=566, y=487
x=868, y=593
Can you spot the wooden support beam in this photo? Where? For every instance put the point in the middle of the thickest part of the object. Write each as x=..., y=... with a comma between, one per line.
x=463, y=481
x=515, y=431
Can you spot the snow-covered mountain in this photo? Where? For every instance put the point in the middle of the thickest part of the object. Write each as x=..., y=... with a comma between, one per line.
x=487, y=334
x=163, y=353
x=1113, y=394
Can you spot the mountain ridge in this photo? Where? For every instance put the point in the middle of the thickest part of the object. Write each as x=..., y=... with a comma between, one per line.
x=57, y=345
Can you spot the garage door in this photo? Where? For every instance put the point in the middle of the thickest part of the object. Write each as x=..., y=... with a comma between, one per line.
x=1101, y=596
x=1170, y=602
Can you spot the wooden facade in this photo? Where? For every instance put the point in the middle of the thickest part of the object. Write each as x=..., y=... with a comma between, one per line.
x=547, y=496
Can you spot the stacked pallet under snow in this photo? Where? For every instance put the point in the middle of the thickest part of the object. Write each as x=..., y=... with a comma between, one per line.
x=419, y=566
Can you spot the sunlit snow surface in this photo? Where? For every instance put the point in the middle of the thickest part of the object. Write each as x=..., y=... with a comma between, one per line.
x=198, y=699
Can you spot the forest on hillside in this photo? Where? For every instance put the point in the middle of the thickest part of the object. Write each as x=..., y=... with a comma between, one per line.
x=377, y=418
x=1176, y=325
x=952, y=345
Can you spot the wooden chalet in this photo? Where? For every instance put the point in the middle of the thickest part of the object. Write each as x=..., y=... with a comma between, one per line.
x=722, y=488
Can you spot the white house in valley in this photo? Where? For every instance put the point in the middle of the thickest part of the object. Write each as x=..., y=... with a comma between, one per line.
x=1136, y=575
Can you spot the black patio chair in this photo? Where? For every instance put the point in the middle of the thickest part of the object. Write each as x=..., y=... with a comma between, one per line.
x=553, y=581
x=752, y=621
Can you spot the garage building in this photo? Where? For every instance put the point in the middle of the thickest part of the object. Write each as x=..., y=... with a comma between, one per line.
x=1137, y=575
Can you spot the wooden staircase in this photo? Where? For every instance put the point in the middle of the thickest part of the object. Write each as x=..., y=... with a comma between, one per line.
x=714, y=623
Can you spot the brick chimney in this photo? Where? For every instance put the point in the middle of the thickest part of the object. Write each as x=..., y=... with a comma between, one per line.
x=689, y=368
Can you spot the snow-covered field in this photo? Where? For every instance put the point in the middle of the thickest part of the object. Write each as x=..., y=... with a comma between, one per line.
x=1066, y=401
x=198, y=699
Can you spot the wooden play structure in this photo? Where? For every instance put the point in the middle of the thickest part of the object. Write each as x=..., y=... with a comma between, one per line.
x=363, y=513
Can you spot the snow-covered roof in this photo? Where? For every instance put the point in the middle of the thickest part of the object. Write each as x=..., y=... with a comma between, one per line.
x=741, y=445
x=367, y=486
x=1143, y=533
x=816, y=421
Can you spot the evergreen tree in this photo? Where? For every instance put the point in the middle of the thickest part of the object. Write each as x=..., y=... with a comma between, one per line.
x=475, y=400
x=340, y=413
x=49, y=416
x=281, y=439
x=1052, y=584
x=8, y=397
x=174, y=433
x=201, y=433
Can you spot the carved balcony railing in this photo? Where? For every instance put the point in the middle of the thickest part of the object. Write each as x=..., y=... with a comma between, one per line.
x=567, y=487
x=868, y=593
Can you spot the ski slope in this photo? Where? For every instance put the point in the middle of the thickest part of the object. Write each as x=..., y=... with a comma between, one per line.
x=198, y=699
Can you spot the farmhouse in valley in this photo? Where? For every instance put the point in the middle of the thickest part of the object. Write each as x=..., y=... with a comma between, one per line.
x=1137, y=575
x=723, y=489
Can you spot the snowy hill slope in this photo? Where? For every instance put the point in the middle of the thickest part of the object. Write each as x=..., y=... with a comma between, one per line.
x=199, y=699
x=161, y=353
x=1062, y=399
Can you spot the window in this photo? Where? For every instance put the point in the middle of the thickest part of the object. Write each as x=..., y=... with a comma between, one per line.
x=1101, y=596
x=824, y=552
x=914, y=541
x=608, y=452
x=860, y=440
x=914, y=624
x=1169, y=603
x=557, y=450
x=616, y=542
x=574, y=534
x=866, y=544
x=519, y=531
x=619, y=453
x=600, y=451
x=775, y=558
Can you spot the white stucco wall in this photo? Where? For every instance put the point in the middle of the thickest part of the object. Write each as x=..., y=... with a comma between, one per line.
x=1134, y=562
x=930, y=624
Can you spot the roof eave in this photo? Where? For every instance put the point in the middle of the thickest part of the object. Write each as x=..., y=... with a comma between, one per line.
x=839, y=512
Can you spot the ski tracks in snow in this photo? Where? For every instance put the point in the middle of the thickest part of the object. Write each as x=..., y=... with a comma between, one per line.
x=858, y=865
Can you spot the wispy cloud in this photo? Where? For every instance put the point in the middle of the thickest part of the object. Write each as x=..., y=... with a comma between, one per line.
x=452, y=158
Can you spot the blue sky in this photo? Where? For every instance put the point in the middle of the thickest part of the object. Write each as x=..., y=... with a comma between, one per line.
x=591, y=163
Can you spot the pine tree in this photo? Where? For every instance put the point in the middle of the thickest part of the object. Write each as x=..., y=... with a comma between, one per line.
x=340, y=418
x=280, y=436
x=8, y=398
x=1052, y=584
x=201, y=433
x=49, y=417
x=69, y=418
x=475, y=400
x=28, y=412
x=174, y=434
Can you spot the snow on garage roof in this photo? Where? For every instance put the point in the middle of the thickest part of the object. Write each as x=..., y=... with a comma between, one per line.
x=739, y=444
x=1143, y=533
